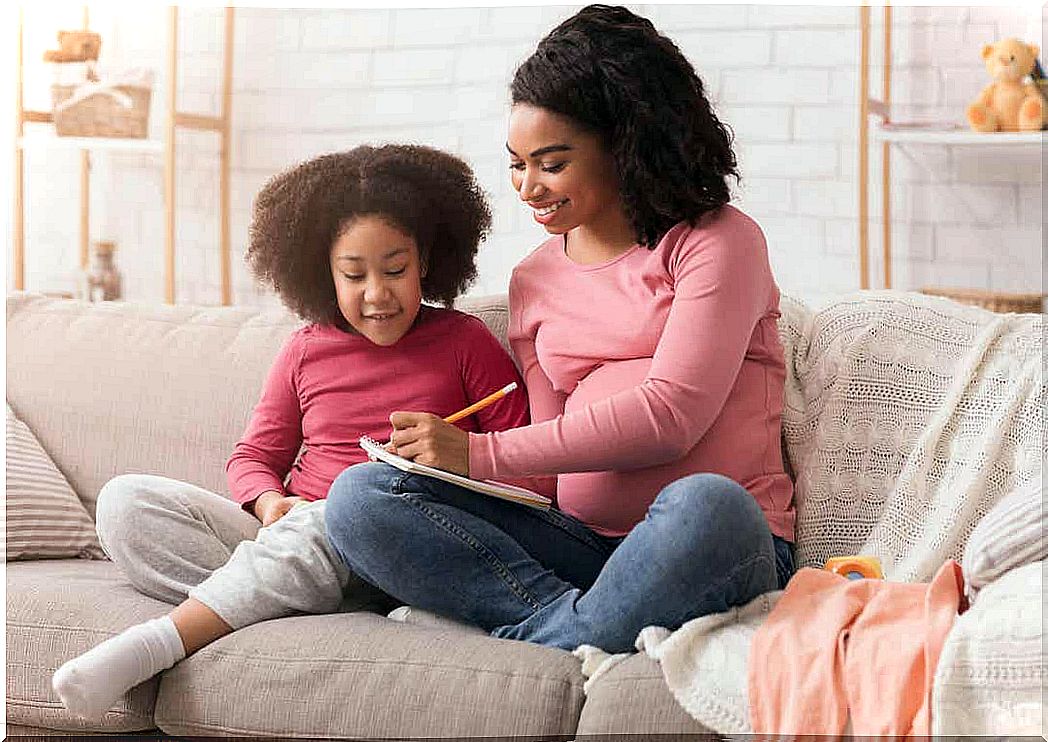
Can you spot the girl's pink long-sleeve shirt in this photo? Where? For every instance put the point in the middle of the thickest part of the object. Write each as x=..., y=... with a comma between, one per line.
x=327, y=387
x=654, y=365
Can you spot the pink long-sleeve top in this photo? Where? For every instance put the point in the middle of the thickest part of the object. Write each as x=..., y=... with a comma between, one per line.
x=327, y=387
x=646, y=368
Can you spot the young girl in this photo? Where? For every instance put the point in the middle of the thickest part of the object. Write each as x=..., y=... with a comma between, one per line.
x=352, y=242
x=645, y=327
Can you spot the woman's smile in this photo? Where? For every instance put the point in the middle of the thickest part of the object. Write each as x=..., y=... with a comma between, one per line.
x=561, y=171
x=544, y=213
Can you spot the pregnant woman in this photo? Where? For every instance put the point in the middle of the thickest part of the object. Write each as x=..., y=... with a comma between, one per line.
x=645, y=328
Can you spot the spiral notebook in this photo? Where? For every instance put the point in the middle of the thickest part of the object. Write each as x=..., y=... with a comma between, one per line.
x=520, y=495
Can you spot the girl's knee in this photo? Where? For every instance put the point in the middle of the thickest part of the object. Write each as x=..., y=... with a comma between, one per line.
x=118, y=503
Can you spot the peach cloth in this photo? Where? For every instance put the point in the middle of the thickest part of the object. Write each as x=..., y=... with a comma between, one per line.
x=832, y=645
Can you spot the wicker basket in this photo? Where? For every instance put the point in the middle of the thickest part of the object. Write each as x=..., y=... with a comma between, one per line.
x=995, y=301
x=101, y=115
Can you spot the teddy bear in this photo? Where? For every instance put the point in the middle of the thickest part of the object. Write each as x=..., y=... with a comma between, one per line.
x=1007, y=104
x=75, y=46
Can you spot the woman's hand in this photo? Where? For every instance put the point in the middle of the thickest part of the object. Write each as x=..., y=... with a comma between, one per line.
x=271, y=506
x=427, y=439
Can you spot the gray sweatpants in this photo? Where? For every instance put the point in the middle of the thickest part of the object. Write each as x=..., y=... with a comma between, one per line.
x=174, y=540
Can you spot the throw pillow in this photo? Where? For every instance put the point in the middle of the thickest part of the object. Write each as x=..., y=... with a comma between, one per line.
x=1012, y=534
x=45, y=518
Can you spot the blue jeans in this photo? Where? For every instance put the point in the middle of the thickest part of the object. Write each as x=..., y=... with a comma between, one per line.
x=543, y=576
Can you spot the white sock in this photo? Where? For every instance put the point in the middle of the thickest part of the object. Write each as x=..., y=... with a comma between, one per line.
x=419, y=617
x=91, y=683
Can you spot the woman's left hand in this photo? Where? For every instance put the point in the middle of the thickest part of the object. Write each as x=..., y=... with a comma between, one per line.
x=427, y=439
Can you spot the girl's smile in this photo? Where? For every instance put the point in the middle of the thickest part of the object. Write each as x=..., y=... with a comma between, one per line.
x=378, y=279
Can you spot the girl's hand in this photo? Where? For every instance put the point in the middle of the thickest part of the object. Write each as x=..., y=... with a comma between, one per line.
x=272, y=506
x=427, y=439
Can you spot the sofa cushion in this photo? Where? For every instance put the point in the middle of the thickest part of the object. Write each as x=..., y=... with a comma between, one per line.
x=44, y=517
x=19, y=733
x=57, y=609
x=1014, y=533
x=112, y=388
x=292, y=678
x=492, y=310
x=633, y=698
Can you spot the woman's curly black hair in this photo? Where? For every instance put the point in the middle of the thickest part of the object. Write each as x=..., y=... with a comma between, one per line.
x=299, y=214
x=608, y=70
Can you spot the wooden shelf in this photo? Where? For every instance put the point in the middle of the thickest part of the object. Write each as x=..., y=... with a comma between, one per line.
x=46, y=139
x=49, y=140
x=890, y=137
x=960, y=137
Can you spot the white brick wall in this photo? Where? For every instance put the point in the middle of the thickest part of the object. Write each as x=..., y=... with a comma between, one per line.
x=309, y=81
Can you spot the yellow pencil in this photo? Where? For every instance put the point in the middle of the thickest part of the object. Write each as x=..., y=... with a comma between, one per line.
x=488, y=400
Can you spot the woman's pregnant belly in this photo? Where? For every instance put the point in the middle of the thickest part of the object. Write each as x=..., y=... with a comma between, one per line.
x=612, y=502
x=607, y=379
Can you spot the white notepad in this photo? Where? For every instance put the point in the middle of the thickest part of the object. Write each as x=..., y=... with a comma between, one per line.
x=509, y=492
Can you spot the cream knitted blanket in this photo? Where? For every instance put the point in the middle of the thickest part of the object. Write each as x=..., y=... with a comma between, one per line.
x=907, y=417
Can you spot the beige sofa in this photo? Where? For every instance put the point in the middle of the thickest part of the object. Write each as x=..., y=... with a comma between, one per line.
x=110, y=388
